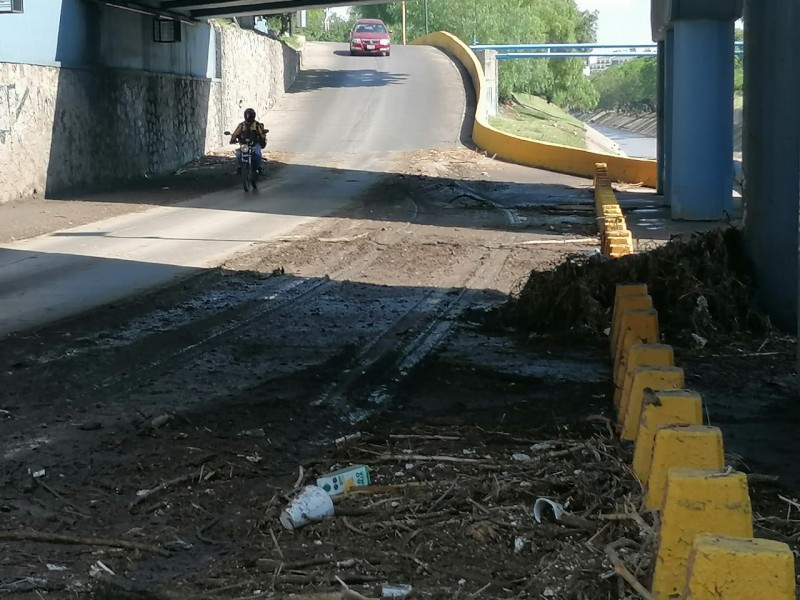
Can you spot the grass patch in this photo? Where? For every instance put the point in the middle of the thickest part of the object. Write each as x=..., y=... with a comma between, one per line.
x=295, y=42
x=533, y=118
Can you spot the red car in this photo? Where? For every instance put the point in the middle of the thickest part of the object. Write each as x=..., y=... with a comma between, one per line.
x=370, y=36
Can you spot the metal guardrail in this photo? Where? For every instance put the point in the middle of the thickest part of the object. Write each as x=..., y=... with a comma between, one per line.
x=557, y=47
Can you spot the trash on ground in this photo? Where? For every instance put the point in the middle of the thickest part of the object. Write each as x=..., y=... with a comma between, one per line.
x=160, y=421
x=558, y=510
x=395, y=590
x=311, y=504
x=699, y=340
x=343, y=480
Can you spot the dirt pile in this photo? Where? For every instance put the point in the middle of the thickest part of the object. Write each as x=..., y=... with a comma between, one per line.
x=700, y=284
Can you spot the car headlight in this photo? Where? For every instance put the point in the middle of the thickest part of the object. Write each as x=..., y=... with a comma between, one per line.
x=356, y=40
x=385, y=41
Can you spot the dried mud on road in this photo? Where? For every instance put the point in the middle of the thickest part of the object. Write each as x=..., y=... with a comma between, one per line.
x=149, y=446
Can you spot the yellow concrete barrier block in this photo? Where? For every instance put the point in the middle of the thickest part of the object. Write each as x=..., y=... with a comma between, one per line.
x=697, y=501
x=616, y=239
x=626, y=289
x=728, y=568
x=681, y=446
x=640, y=355
x=646, y=377
x=636, y=327
x=620, y=251
x=619, y=248
x=611, y=227
x=642, y=302
x=661, y=409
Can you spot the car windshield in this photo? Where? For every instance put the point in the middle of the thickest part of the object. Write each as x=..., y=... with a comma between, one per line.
x=370, y=28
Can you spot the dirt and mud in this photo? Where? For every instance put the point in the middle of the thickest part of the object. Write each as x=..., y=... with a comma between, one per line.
x=149, y=446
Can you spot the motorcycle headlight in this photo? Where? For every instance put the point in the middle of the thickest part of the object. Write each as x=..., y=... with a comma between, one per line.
x=356, y=40
x=385, y=41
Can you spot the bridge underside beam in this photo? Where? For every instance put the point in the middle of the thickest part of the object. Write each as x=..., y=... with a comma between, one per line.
x=236, y=8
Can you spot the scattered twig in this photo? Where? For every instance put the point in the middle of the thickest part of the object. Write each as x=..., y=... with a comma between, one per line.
x=431, y=437
x=349, y=594
x=480, y=591
x=32, y=584
x=121, y=588
x=56, y=538
x=146, y=494
x=300, y=476
x=621, y=570
x=201, y=530
x=277, y=545
x=629, y=516
x=355, y=529
x=422, y=457
x=47, y=488
x=761, y=478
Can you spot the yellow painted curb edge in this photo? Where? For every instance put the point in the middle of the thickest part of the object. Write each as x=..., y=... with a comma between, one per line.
x=543, y=155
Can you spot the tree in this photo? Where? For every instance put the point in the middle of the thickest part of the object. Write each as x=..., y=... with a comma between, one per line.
x=282, y=22
x=336, y=30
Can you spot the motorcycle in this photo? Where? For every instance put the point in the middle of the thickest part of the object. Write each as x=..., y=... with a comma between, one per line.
x=247, y=163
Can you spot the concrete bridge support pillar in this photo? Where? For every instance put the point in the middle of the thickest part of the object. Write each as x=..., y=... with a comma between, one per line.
x=491, y=94
x=660, y=117
x=771, y=153
x=669, y=112
x=701, y=147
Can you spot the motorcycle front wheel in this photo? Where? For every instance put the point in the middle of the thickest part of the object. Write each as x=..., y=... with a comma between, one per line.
x=246, y=176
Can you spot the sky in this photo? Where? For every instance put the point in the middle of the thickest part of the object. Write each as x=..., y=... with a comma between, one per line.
x=620, y=21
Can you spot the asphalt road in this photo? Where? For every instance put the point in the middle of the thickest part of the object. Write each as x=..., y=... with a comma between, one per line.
x=342, y=125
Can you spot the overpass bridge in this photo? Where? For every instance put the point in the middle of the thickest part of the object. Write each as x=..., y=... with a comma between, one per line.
x=695, y=140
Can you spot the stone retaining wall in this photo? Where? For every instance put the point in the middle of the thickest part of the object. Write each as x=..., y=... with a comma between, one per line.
x=63, y=130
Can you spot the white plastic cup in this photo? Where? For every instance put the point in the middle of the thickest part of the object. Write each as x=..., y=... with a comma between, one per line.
x=310, y=505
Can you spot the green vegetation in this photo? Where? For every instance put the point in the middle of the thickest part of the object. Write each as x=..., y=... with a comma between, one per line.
x=510, y=21
x=631, y=86
x=534, y=118
x=294, y=42
x=336, y=31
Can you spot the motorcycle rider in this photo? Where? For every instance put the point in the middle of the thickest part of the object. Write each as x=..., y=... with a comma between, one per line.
x=249, y=130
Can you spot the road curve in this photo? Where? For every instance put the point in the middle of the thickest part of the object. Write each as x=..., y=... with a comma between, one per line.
x=342, y=125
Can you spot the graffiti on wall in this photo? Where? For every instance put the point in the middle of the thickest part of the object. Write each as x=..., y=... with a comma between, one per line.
x=12, y=101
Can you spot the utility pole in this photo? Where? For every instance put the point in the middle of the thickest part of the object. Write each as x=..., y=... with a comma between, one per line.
x=403, y=4
x=426, y=18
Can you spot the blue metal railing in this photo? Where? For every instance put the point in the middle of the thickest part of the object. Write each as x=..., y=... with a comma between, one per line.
x=513, y=51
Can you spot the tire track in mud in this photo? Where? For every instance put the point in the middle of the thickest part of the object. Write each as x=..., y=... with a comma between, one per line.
x=369, y=383
x=366, y=378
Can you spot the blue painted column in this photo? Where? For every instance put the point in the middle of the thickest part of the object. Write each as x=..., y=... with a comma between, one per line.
x=660, y=119
x=771, y=153
x=669, y=78
x=702, y=120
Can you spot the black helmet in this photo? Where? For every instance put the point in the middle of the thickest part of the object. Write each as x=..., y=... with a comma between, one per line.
x=249, y=115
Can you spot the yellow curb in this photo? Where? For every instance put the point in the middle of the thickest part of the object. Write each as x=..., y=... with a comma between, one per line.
x=654, y=378
x=683, y=446
x=626, y=289
x=640, y=355
x=637, y=327
x=661, y=409
x=642, y=302
x=740, y=569
x=697, y=501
